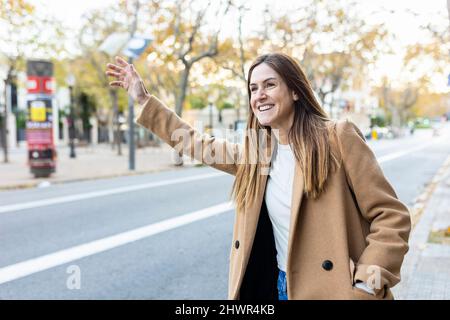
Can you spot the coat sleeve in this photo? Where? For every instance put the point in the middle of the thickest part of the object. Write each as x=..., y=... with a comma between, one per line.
x=217, y=153
x=389, y=219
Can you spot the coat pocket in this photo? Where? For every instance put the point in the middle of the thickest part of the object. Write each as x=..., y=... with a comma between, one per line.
x=358, y=294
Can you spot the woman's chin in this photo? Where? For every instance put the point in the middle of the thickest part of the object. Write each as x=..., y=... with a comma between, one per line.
x=264, y=122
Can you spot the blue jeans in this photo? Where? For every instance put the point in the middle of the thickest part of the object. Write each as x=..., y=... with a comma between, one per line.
x=282, y=286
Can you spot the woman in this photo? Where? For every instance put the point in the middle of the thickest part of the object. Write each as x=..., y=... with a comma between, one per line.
x=315, y=216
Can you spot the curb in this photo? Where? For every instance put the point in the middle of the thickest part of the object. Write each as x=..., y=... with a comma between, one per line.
x=421, y=202
x=34, y=184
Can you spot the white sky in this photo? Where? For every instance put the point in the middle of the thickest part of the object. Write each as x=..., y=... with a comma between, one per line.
x=399, y=22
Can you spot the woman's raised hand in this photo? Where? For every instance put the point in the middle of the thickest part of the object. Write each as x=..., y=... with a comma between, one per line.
x=127, y=77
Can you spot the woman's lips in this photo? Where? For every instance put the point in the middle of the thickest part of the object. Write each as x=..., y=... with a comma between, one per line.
x=265, y=107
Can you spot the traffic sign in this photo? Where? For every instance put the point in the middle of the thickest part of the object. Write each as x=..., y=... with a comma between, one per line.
x=121, y=42
x=136, y=46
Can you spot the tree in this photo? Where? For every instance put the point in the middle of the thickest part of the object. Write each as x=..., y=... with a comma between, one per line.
x=97, y=26
x=235, y=55
x=421, y=61
x=430, y=104
x=399, y=102
x=24, y=34
x=332, y=42
x=181, y=40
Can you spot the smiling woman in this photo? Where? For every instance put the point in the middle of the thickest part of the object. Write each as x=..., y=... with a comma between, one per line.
x=276, y=83
x=322, y=222
x=271, y=100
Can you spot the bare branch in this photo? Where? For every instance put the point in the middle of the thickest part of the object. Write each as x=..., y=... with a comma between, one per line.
x=198, y=21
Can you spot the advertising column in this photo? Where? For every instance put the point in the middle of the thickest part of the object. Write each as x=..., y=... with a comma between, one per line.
x=39, y=129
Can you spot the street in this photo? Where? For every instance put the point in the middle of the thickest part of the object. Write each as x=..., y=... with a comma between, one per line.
x=165, y=235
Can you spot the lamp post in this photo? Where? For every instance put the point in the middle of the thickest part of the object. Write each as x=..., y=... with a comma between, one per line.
x=71, y=82
x=132, y=47
x=210, y=107
x=141, y=45
x=212, y=104
x=131, y=146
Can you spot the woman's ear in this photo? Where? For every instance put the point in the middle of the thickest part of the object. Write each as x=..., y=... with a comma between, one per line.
x=294, y=96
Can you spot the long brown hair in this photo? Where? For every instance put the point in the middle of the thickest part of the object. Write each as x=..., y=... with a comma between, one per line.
x=308, y=136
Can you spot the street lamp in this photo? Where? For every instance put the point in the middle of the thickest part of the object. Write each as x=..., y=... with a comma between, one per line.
x=70, y=80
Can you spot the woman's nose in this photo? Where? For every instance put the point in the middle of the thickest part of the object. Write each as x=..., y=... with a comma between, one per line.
x=261, y=94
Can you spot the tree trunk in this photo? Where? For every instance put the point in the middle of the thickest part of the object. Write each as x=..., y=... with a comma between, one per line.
x=179, y=101
x=181, y=96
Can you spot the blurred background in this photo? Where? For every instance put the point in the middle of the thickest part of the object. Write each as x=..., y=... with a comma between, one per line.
x=87, y=204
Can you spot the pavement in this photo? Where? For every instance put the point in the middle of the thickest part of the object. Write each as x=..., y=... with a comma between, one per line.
x=91, y=162
x=425, y=272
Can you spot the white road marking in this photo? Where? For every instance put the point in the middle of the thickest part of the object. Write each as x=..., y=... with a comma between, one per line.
x=399, y=154
x=102, y=193
x=29, y=267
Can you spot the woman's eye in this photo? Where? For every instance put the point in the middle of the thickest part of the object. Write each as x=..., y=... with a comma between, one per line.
x=253, y=89
x=270, y=84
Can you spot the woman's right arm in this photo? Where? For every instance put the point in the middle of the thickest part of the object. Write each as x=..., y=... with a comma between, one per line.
x=158, y=118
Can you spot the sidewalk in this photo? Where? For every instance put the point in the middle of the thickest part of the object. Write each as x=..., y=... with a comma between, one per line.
x=96, y=162
x=426, y=269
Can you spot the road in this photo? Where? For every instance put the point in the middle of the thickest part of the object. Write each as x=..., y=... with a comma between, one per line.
x=156, y=236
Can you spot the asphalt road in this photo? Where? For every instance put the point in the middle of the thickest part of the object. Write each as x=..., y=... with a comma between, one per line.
x=156, y=236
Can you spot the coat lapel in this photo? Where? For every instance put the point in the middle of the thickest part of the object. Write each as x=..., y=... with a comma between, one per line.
x=252, y=217
x=253, y=211
x=297, y=197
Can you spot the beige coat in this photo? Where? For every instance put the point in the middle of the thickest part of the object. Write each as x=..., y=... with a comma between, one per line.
x=356, y=230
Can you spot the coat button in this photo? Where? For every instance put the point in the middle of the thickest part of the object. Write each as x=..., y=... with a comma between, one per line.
x=327, y=265
x=236, y=244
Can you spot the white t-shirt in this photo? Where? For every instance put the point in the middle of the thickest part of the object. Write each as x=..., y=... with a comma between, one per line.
x=278, y=196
